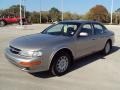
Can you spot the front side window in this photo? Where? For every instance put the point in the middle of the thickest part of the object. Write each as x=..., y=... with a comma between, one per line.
x=98, y=29
x=87, y=29
x=65, y=29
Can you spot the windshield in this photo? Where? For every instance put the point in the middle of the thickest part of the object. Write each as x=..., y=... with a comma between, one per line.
x=64, y=29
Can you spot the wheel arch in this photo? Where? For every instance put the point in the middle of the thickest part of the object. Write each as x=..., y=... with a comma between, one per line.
x=61, y=51
x=4, y=21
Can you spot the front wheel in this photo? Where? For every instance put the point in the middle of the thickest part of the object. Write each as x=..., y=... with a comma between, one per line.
x=61, y=64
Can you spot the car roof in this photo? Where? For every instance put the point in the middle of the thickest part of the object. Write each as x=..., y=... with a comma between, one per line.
x=78, y=21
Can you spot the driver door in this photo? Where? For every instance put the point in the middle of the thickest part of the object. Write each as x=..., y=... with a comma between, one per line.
x=85, y=44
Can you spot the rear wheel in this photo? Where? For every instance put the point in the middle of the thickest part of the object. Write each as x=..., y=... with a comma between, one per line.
x=2, y=23
x=61, y=64
x=107, y=48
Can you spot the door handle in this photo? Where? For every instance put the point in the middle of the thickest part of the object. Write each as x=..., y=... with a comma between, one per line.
x=93, y=39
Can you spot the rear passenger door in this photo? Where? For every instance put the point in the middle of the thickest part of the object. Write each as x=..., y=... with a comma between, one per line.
x=100, y=36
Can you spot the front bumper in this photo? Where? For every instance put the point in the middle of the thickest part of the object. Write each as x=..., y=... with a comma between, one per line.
x=17, y=59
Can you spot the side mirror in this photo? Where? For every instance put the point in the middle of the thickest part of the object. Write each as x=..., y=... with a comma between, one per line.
x=83, y=34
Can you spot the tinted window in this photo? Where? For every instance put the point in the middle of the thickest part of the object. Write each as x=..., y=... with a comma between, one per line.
x=87, y=28
x=98, y=29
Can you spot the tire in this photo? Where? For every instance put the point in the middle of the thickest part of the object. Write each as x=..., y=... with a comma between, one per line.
x=2, y=23
x=107, y=48
x=61, y=64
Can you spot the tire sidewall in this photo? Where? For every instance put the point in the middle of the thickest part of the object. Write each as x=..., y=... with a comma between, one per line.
x=55, y=60
x=104, y=51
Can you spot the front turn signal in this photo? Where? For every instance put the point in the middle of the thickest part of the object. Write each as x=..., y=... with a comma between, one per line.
x=30, y=64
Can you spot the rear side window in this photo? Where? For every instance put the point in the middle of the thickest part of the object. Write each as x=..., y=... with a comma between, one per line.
x=98, y=29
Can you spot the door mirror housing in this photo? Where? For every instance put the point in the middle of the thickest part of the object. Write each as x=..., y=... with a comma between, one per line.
x=83, y=34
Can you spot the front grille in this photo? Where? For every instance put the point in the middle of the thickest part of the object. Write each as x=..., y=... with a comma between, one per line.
x=14, y=50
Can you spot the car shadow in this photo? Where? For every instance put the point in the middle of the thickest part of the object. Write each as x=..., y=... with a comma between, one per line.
x=91, y=58
x=79, y=63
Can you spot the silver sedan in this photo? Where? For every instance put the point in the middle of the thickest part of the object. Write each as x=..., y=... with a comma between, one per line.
x=58, y=46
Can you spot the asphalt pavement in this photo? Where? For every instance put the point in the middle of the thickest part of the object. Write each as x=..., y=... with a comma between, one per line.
x=95, y=72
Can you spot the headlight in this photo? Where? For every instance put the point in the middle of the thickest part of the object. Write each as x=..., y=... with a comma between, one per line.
x=31, y=53
x=37, y=54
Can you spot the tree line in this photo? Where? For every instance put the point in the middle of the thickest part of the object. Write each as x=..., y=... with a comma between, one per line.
x=97, y=13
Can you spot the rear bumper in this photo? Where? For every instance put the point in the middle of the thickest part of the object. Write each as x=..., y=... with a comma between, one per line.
x=16, y=60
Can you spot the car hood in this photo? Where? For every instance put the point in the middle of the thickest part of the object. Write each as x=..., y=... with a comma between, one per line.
x=36, y=41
